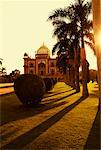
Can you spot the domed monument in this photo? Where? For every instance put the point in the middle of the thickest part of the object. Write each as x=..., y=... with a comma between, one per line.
x=43, y=50
x=42, y=64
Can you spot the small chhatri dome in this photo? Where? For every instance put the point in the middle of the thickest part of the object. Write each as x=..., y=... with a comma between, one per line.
x=43, y=50
x=25, y=54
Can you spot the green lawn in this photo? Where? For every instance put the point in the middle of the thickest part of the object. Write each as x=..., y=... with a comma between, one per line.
x=63, y=121
x=6, y=84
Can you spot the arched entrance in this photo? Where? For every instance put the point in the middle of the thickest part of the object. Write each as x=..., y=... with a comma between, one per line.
x=41, y=69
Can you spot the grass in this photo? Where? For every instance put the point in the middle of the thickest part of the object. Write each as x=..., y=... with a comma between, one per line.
x=6, y=88
x=2, y=85
x=63, y=120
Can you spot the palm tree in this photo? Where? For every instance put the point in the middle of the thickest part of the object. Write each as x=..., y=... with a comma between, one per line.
x=3, y=71
x=1, y=61
x=64, y=47
x=82, y=16
x=77, y=28
x=66, y=38
x=65, y=51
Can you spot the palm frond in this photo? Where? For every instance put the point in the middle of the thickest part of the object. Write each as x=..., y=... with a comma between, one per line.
x=62, y=13
x=58, y=22
x=55, y=48
x=90, y=36
x=87, y=25
x=65, y=30
x=0, y=62
x=92, y=46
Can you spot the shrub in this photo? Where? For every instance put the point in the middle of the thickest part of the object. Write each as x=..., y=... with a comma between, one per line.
x=48, y=84
x=29, y=88
x=54, y=81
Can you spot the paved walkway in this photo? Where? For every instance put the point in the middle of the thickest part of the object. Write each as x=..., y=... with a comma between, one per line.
x=63, y=121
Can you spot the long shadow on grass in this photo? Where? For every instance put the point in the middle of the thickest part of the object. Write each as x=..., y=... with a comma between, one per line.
x=93, y=141
x=57, y=99
x=57, y=93
x=7, y=86
x=31, y=135
x=11, y=112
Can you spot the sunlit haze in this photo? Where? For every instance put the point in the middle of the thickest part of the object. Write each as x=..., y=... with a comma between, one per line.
x=24, y=28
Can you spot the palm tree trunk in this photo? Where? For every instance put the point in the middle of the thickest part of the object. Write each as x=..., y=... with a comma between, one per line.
x=76, y=64
x=84, y=79
x=83, y=60
x=84, y=69
x=71, y=77
x=77, y=86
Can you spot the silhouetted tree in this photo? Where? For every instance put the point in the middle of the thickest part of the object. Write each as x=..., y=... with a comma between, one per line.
x=77, y=28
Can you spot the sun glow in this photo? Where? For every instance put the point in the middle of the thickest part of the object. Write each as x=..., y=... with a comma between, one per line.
x=23, y=29
x=99, y=39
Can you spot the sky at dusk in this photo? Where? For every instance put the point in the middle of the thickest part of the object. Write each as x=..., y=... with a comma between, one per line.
x=24, y=28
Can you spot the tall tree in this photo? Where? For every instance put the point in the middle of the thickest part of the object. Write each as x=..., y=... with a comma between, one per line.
x=77, y=27
x=3, y=71
x=1, y=61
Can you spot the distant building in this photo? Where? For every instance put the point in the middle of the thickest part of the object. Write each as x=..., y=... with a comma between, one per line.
x=42, y=64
